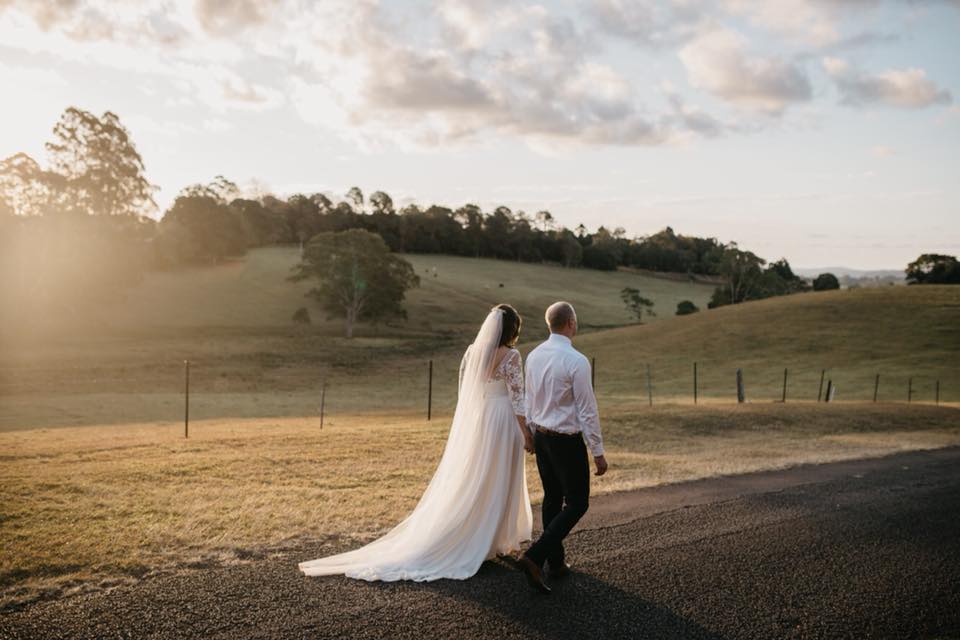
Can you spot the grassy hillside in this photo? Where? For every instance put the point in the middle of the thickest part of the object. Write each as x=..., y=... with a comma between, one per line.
x=253, y=292
x=248, y=361
x=898, y=332
x=123, y=361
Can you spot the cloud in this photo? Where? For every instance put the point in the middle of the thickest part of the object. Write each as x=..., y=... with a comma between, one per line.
x=532, y=79
x=904, y=88
x=716, y=61
x=429, y=83
x=883, y=151
x=458, y=71
x=652, y=23
x=229, y=18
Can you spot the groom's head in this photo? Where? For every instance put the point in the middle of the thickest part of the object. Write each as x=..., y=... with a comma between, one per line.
x=562, y=319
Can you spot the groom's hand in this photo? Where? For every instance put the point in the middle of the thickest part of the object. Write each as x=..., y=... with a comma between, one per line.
x=601, y=463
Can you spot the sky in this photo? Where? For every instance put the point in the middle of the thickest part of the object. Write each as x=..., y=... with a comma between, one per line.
x=823, y=131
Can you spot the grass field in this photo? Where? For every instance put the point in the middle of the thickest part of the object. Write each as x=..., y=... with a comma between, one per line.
x=123, y=362
x=898, y=332
x=231, y=322
x=98, y=486
x=93, y=507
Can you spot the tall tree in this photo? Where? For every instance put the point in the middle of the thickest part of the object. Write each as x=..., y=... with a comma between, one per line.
x=355, y=197
x=934, y=268
x=544, y=220
x=29, y=190
x=102, y=169
x=200, y=227
x=381, y=202
x=742, y=272
x=358, y=276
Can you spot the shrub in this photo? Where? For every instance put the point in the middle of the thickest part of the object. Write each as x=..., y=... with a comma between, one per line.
x=686, y=307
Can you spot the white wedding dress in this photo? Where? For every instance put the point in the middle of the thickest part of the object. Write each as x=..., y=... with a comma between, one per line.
x=476, y=506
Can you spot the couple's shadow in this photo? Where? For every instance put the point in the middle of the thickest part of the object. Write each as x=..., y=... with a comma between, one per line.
x=580, y=605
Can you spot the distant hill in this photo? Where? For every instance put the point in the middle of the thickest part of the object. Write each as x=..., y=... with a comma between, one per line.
x=898, y=332
x=813, y=272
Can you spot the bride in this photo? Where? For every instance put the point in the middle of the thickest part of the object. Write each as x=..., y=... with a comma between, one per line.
x=476, y=505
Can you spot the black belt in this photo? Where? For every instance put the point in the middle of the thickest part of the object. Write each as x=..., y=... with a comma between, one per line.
x=555, y=433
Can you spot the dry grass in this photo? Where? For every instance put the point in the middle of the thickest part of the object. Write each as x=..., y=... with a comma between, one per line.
x=126, y=496
x=91, y=507
x=898, y=332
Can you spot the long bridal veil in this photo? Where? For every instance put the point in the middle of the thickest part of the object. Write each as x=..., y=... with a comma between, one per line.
x=443, y=536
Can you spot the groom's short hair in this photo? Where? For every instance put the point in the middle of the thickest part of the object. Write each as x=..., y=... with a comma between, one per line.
x=559, y=314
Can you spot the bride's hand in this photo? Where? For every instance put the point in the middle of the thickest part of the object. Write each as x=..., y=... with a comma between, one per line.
x=528, y=443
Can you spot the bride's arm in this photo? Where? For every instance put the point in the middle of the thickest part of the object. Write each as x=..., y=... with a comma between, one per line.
x=514, y=379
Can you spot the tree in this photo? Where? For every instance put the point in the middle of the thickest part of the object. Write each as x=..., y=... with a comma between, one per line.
x=825, y=282
x=686, y=307
x=636, y=303
x=358, y=276
x=381, y=202
x=933, y=268
x=544, y=220
x=355, y=196
x=200, y=227
x=742, y=272
x=571, y=249
x=29, y=190
x=219, y=189
x=102, y=169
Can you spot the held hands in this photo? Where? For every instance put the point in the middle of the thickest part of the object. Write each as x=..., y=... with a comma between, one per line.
x=528, y=442
x=601, y=463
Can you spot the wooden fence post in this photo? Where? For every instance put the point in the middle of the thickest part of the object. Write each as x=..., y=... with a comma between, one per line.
x=829, y=390
x=937, y=401
x=876, y=387
x=741, y=396
x=430, y=390
x=649, y=387
x=820, y=392
x=694, y=383
x=909, y=389
x=784, y=399
x=323, y=402
x=186, y=399
x=593, y=373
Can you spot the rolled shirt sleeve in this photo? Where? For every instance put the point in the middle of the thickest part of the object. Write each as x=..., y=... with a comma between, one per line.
x=586, y=403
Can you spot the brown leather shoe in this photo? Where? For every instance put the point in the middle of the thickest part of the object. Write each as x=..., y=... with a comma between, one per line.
x=559, y=572
x=534, y=574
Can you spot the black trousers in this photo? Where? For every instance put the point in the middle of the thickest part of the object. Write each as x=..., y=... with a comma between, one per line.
x=565, y=474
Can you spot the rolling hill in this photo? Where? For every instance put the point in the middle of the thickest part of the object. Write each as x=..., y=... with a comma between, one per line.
x=248, y=360
x=898, y=332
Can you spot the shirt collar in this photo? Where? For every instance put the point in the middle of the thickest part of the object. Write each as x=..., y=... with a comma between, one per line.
x=556, y=337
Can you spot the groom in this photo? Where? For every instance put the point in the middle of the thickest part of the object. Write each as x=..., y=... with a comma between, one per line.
x=562, y=413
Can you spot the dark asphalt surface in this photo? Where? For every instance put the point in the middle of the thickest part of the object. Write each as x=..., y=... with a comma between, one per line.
x=853, y=550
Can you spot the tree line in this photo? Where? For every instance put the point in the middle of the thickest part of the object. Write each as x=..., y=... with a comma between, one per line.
x=89, y=208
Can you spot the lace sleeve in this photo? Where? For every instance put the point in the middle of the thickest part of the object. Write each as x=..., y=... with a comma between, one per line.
x=513, y=376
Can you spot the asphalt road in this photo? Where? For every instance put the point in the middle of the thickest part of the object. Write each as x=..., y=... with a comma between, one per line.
x=868, y=549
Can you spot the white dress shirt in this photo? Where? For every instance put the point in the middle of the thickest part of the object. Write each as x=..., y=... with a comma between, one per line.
x=559, y=395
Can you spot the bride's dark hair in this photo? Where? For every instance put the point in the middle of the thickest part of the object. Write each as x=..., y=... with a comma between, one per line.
x=511, y=325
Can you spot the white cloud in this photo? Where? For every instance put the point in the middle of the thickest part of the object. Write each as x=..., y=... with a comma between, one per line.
x=883, y=151
x=717, y=61
x=905, y=88
x=653, y=23
x=807, y=21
